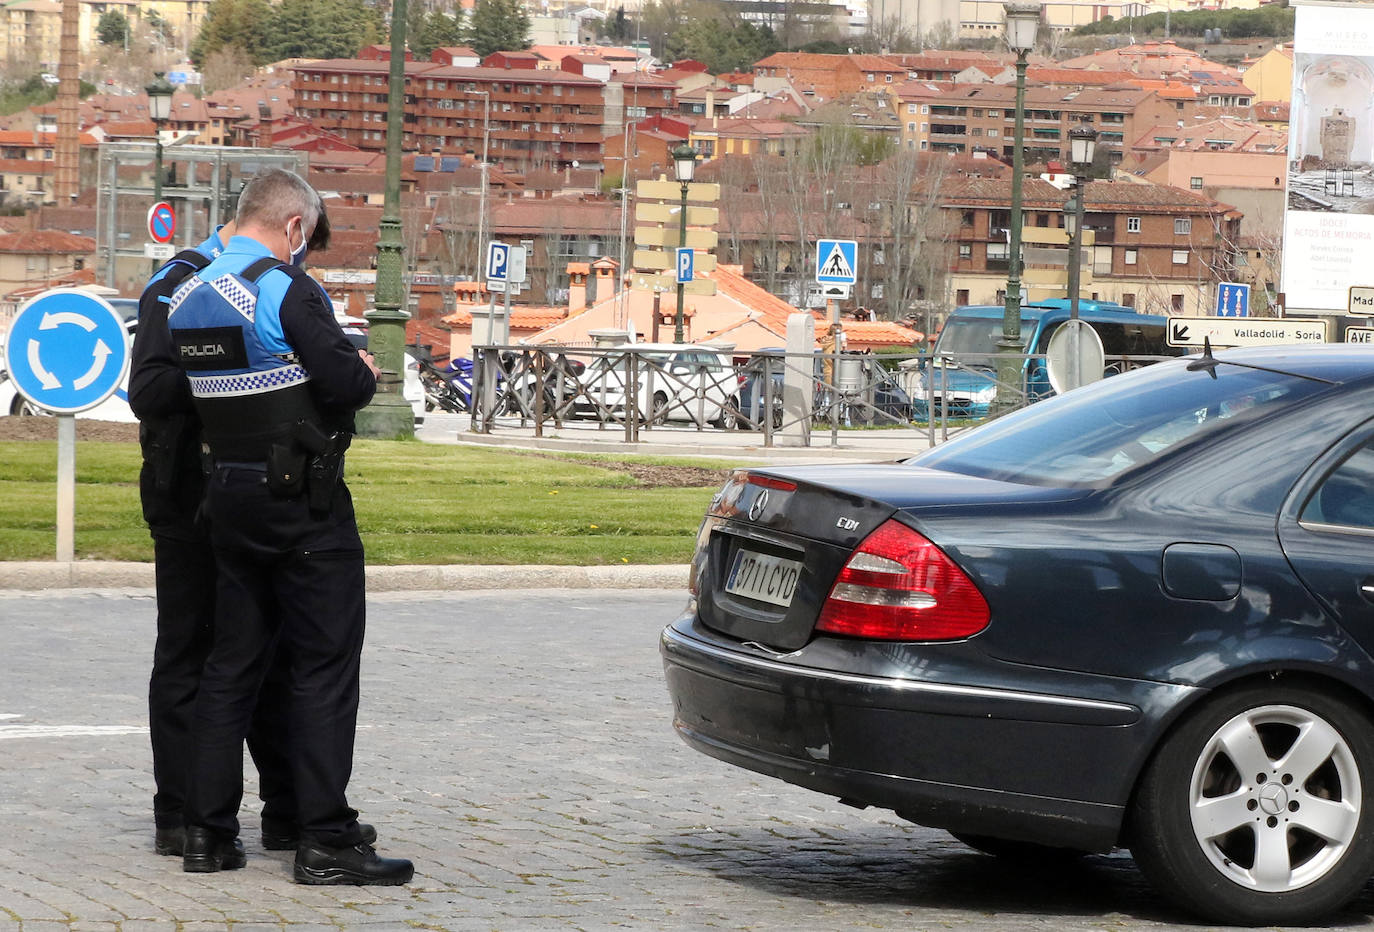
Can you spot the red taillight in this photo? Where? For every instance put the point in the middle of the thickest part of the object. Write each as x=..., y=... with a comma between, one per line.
x=768, y=482
x=898, y=586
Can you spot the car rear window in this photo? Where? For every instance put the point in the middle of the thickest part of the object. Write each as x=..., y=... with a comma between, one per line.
x=1088, y=437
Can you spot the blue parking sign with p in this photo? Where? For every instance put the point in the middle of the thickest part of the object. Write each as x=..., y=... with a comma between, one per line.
x=498, y=262
x=685, y=263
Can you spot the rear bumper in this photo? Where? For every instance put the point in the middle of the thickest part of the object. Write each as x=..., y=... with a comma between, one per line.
x=939, y=745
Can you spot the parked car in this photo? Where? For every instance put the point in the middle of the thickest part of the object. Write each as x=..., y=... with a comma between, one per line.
x=1139, y=614
x=676, y=382
x=962, y=379
x=876, y=396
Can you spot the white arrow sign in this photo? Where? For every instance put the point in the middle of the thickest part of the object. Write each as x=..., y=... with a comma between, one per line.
x=48, y=380
x=102, y=353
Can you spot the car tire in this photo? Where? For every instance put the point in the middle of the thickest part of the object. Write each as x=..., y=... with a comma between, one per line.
x=1026, y=852
x=658, y=410
x=22, y=407
x=1252, y=810
x=729, y=415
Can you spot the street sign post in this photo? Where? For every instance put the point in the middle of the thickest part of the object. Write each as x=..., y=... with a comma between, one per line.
x=66, y=351
x=837, y=261
x=685, y=257
x=1234, y=331
x=162, y=222
x=1233, y=299
x=1362, y=335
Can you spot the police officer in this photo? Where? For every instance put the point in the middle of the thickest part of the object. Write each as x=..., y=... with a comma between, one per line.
x=171, y=487
x=275, y=383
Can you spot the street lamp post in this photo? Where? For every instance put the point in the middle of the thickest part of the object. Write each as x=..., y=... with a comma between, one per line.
x=159, y=111
x=1082, y=142
x=389, y=414
x=482, y=194
x=684, y=167
x=1023, y=21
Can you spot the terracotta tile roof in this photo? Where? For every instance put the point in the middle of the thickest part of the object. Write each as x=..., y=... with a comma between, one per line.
x=1101, y=195
x=532, y=319
x=26, y=166
x=880, y=333
x=46, y=241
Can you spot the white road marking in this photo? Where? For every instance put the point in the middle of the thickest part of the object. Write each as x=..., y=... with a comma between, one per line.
x=68, y=731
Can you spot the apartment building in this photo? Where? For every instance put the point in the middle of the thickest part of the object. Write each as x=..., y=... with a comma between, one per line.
x=1156, y=248
x=828, y=76
x=529, y=117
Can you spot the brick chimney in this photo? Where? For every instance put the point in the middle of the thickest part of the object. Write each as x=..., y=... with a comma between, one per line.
x=577, y=287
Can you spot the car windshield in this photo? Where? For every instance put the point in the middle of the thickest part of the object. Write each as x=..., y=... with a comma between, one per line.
x=1087, y=437
x=976, y=334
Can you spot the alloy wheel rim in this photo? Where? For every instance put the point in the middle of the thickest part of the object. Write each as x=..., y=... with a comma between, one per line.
x=1275, y=798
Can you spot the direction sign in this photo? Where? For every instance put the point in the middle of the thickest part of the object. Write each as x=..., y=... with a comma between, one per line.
x=1359, y=335
x=162, y=222
x=1361, y=303
x=684, y=265
x=67, y=350
x=1236, y=331
x=505, y=263
x=836, y=261
x=1233, y=299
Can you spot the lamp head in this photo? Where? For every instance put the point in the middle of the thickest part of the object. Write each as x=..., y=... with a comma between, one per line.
x=159, y=92
x=684, y=162
x=1082, y=143
x=1071, y=215
x=1023, y=22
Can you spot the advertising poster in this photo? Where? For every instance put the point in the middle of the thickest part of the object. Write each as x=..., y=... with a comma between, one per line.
x=1328, y=231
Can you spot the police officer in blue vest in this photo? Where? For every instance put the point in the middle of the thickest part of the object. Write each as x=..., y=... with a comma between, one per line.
x=171, y=487
x=275, y=384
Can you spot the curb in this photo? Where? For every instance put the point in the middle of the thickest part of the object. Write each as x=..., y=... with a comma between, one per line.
x=36, y=576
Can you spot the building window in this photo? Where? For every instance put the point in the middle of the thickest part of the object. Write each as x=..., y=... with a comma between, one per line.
x=992, y=133
x=1128, y=299
x=925, y=108
x=1131, y=257
x=911, y=127
x=1132, y=224
x=910, y=108
x=1195, y=183
x=1176, y=302
x=961, y=297
x=1183, y=225
x=1180, y=257
x=966, y=218
x=965, y=250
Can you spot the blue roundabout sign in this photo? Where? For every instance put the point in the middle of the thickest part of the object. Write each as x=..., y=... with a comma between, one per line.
x=67, y=350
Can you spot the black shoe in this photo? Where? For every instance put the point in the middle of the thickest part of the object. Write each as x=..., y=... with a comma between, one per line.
x=359, y=865
x=170, y=841
x=279, y=836
x=205, y=852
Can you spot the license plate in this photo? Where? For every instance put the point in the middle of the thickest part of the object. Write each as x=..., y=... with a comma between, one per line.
x=764, y=577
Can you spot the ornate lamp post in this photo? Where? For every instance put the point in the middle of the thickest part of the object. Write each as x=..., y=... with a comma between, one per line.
x=1023, y=21
x=159, y=111
x=1082, y=142
x=684, y=167
x=389, y=414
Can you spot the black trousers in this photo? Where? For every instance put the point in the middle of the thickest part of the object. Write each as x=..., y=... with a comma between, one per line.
x=290, y=576
x=185, y=577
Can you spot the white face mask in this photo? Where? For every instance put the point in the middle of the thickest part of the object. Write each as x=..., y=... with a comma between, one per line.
x=297, y=254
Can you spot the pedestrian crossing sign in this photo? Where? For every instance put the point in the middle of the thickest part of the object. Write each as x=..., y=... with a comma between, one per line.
x=836, y=261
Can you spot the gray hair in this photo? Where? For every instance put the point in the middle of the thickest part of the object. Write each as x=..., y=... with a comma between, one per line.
x=274, y=196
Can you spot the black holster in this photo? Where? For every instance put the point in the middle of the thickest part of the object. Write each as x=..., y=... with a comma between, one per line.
x=309, y=460
x=162, y=446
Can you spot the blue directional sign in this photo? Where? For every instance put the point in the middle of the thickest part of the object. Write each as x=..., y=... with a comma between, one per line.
x=836, y=261
x=67, y=350
x=1233, y=299
x=685, y=264
x=498, y=261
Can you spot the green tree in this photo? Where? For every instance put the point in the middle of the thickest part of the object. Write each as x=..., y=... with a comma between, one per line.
x=437, y=29
x=499, y=26
x=242, y=23
x=322, y=29
x=112, y=28
x=618, y=26
x=714, y=35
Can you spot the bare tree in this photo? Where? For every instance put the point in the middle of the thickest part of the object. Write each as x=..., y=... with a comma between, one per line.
x=910, y=187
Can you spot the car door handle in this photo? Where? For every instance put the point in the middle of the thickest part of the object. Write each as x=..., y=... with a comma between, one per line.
x=1367, y=589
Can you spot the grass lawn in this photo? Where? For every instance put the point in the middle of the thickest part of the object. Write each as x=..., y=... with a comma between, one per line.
x=416, y=503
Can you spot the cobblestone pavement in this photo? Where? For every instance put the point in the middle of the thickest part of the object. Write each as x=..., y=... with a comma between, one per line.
x=517, y=746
